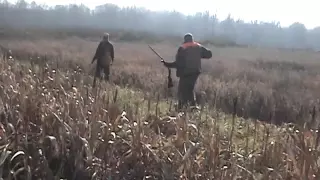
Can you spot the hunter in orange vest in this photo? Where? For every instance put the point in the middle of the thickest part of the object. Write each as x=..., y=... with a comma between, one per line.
x=188, y=66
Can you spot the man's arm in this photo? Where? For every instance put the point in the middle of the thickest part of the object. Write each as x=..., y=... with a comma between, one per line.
x=170, y=64
x=179, y=60
x=205, y=53
x=98, y=52
x=112, y=51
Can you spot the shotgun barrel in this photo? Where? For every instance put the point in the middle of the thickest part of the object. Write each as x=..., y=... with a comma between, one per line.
x=170, y=82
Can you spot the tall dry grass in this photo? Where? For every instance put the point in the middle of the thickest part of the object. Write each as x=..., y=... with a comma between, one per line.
x=55, y=126
x=273, y=85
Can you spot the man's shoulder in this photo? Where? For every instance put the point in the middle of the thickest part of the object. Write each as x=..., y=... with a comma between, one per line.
x=106, y=42
x=190, y=44
x=110, y=43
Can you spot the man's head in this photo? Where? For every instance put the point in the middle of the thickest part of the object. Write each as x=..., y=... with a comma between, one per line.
x=188, y=37
x=105, y=37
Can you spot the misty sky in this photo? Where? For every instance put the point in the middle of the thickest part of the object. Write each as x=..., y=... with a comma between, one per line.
x=285, y=11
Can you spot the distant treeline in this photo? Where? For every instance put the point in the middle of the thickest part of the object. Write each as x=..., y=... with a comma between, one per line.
x=203, y=25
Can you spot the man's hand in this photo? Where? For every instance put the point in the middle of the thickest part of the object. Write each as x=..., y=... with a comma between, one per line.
x=93, y=60
x=165, y=63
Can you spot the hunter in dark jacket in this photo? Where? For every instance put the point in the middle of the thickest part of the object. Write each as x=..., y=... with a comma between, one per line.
x=105, y=57
x=188, y=66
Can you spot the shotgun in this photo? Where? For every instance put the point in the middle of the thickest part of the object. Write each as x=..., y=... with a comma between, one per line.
x=170, y=83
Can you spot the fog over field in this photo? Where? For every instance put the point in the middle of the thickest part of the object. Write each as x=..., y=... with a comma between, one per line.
x=202, y=24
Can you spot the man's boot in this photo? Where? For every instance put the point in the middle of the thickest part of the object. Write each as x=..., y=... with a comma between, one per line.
x=179, y=107
x=193, y=105
x=94, y=82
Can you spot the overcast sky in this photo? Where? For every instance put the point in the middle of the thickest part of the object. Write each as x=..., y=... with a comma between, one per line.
x=284, y=11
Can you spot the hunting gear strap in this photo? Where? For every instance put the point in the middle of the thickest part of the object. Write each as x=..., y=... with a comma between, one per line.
x=170, y=83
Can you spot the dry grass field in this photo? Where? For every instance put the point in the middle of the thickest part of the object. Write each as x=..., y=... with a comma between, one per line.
x=54, y=125
x=272, y=85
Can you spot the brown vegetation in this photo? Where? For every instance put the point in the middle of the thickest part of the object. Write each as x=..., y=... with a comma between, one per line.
x=272, y=85
x=53, y=124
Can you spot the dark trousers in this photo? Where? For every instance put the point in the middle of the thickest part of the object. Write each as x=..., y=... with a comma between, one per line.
x=99, y=70
x=186, y=90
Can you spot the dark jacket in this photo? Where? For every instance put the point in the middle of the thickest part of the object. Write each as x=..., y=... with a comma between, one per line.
x=188, y=59
x=104, y=53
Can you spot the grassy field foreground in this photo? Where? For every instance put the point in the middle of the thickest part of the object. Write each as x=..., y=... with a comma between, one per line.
x=271, y=84
x=54, y=125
